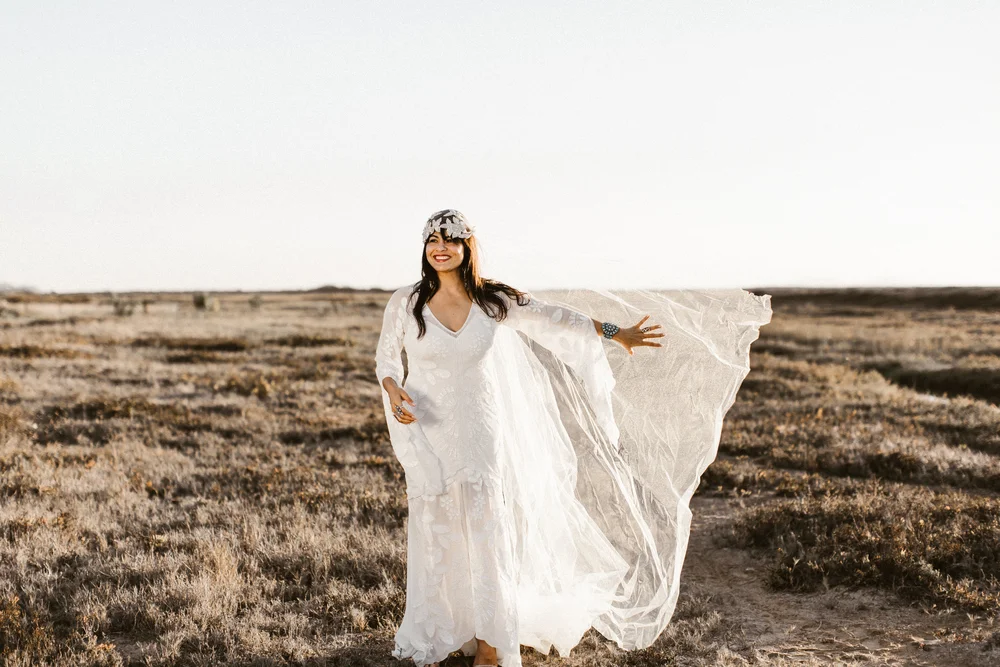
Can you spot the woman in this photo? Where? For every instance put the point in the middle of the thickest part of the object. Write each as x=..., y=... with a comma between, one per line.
x=547, y=491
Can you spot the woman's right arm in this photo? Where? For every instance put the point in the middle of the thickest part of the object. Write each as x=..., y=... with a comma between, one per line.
x=388, y=352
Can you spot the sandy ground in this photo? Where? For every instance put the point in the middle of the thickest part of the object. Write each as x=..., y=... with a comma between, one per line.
x=833, y=627
x=729, y=615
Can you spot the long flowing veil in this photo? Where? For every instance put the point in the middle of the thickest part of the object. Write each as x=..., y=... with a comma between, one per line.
x=604, y=450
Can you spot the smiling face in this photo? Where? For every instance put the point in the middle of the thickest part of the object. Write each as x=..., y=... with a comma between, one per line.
x=444, y=254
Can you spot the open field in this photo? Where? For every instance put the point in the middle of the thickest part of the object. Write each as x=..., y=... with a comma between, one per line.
x=198, y=487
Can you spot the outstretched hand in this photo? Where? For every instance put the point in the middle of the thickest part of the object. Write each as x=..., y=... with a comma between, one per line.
x=636, y=336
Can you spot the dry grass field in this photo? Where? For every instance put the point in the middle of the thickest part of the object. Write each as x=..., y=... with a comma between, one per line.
x=184, y=486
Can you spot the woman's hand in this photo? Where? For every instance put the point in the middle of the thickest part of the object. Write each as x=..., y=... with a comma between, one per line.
x=397, y=395
x=636, y=335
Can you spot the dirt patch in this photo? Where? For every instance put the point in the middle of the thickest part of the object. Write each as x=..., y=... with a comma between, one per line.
x=835, y=626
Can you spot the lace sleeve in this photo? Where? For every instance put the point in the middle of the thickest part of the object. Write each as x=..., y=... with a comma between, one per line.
x=549, y=323
x=571, y=337
x=388, y=352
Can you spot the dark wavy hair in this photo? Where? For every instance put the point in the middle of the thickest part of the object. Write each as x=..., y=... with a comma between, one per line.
x=483, y=291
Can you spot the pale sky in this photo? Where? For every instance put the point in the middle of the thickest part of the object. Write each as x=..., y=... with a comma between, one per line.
x=664, y=144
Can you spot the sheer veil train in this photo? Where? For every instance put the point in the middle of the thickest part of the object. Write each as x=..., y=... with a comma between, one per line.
x=603, y=451
x=607, y=449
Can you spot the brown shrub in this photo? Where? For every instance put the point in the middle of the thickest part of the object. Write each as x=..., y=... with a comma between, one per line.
x=942, y=548
x=197, y=358
x=983, y=382
x=11, y=422
x=39, y=352
x=98, y=419
x=257, y=384
x=195, y=344
x=25, y=635
x=312, y=340
x=742, y=477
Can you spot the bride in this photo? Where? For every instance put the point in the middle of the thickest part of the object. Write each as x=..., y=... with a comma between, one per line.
x=548, y=477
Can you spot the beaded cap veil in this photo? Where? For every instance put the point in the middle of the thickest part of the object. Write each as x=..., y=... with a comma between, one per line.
x=452, y=221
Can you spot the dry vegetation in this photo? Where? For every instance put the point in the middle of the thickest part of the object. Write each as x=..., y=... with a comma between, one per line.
x=185, y=486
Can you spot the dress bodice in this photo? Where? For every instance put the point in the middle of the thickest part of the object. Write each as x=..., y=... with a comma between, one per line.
x=452, y=377
x=443, y=357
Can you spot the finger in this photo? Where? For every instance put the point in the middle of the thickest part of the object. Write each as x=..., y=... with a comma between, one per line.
x=406, y=396
x=652, y=335
x=643, y=320
x=403, y=415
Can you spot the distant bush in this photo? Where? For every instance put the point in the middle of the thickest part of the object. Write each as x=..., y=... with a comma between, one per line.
x=122, y=307
x=203, y=301
x=7, y=311
x=32, y=297
x=959, y=298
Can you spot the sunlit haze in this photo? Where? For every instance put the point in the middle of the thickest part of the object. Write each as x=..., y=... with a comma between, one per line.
x=264, y=145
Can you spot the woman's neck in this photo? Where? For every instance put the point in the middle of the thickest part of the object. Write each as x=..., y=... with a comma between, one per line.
x=451, y=283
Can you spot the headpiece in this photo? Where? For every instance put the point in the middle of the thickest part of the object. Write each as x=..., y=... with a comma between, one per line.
x=453, y=222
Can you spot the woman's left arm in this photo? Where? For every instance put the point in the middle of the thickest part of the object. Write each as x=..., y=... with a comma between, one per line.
x=543, y=321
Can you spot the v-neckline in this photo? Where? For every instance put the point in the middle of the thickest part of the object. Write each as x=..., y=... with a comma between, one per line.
x=461, y=328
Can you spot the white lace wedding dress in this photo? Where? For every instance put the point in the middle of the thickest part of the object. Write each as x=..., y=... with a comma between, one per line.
x=529, y=521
